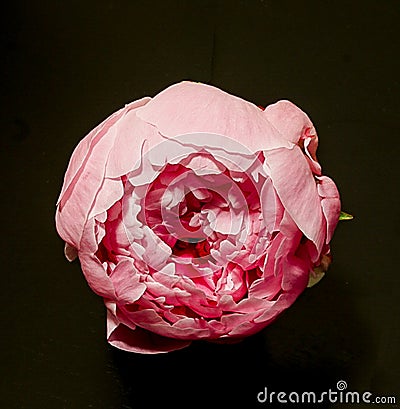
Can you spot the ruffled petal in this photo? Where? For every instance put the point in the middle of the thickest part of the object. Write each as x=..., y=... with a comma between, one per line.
x=96, y=275
x=85, y=176
x=94, y=271
x=126, y=281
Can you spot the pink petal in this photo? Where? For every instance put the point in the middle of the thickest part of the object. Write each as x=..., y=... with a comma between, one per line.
x=295, y=125
x=272, y=209
x=232, y=282
x=223, y=221
x=239, y=325
x=246, y=305
x=284, y=301
x=112, y=320
x=126, y=280
x=92, y=268
x=110, y=192
x=295, y=275
x=288, y=119
x=296, y=187
x=185, y=328
x=135, y=137
x=143, y=342
x=327, y=188
x=83, y=150
x=116, y=238
x=190, y=107
x=330, y=202
x=266, y=287
x=202, y=163
x=96, y=275
x=84, y=177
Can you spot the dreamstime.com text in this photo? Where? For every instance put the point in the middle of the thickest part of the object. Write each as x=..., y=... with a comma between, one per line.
x=340, y=395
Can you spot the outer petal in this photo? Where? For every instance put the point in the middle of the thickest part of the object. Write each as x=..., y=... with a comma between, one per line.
x=110, y=192
x=296, y=187
x=330, y=202
x=134, y=138
x=288, y=119
x=271, y=206
x=185, y=328
x=296, y=126
x=85, y=175
x=83, y=150
x=190, y=107
x=142, y=341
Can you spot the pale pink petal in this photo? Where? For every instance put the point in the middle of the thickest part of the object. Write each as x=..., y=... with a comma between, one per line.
x=232, y=282
x=330, y=202
x=116, y=238
x=190, y=107
x=271, y=206
x=109, y=193
x=83, y=151
x=112, y=320
x=296, y=188
x=157, y=252
x=310, y=148
x=75, y=205
x=266, y=287
x=246, y=305
x=297, y=127
x=202, y=163
x=331, y=210
x=135, y=137
x=84, y=178
x=126, y=281
x=229, y=152
x=94, y=271
x=96, y=275
x=288, y=119
x=223, y=221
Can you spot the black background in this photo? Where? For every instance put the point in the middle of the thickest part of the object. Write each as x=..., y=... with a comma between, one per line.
x=65, y=66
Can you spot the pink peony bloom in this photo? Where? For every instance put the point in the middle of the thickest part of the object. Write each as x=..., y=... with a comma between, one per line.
x=197, y=215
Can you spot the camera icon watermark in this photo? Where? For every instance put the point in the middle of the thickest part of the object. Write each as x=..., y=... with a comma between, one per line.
x=339, y=395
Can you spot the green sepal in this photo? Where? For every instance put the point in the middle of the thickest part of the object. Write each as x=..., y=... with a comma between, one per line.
x=345, y=216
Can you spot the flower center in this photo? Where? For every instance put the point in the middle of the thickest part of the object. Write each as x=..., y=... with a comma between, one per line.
x=200, y=216
x=191, y=248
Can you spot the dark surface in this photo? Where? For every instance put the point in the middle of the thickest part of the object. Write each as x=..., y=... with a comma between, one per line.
x=68, y=65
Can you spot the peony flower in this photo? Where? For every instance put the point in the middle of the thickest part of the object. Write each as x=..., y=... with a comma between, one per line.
x=197, y=215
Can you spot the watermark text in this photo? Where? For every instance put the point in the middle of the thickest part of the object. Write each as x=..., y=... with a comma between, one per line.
x=338, y=395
